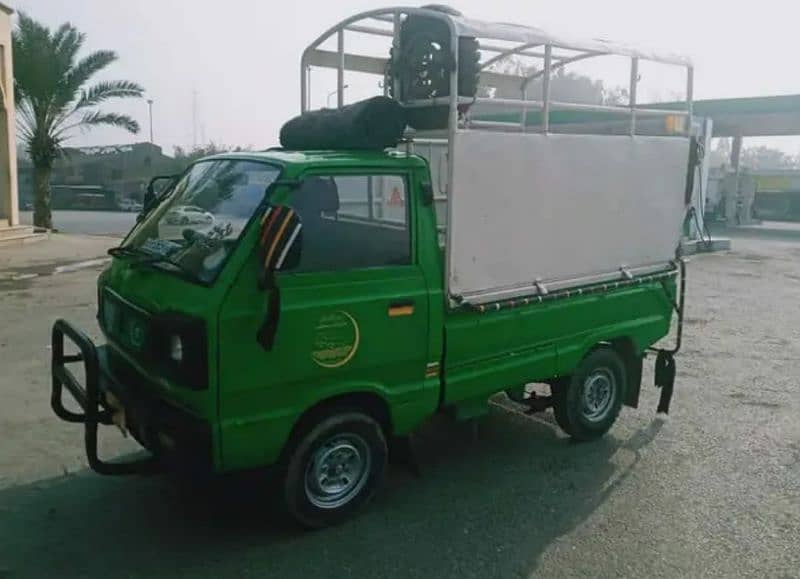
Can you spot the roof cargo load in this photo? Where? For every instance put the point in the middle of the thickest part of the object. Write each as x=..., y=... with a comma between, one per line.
x=375, y=123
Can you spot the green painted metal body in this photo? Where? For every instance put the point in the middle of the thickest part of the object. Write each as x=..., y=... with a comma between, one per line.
x=414, y=365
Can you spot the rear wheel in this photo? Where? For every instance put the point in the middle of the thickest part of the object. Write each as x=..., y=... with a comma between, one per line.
x=587, y=404
x=334, y=468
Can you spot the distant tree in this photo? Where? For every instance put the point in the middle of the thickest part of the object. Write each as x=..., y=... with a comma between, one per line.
x=54, y=98
x=185, y=157
x=564, y=85
x=754, y=158
x=721, y=154
x=616, y=96
x=767, y=158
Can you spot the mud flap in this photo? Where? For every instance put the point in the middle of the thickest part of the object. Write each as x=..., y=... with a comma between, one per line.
x=665, y=379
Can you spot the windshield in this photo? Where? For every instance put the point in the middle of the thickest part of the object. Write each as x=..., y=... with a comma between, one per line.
x=198, y=224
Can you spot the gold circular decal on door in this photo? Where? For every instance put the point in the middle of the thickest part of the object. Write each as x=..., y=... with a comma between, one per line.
x=336, y=339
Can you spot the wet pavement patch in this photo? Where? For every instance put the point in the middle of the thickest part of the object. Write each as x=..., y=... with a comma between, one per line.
x=21, y=278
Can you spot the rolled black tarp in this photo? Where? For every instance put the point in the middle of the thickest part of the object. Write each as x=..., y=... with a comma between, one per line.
x=375, y=123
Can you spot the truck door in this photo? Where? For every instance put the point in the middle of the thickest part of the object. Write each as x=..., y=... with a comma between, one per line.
x=354, y=317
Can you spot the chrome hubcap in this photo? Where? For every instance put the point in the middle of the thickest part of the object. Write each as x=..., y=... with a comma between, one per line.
x=599, y=390
x=337, y=471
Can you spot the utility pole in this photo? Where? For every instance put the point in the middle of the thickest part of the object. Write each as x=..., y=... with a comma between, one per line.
x=150, y=107
x=194, y=119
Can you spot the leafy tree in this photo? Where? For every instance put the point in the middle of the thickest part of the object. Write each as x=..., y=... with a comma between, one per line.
x=185, y=157
x=721, y=153
x=565, y=85
x=767, y=158
x=54, y=97
x=754, y=158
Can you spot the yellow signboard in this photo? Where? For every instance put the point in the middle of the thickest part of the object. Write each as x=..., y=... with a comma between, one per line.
x=773, y=183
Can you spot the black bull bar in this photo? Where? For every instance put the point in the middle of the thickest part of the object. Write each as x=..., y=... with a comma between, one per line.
x=91, y=399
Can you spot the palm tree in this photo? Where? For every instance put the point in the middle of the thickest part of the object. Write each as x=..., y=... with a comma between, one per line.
x=54, y=99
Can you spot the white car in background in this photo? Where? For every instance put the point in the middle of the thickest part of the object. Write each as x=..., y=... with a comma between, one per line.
x=128, y=204
x=188, y=215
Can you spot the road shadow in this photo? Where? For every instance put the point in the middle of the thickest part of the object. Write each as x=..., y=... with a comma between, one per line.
x=484, y=506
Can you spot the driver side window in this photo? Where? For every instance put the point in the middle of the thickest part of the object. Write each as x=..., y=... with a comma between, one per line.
x=352, y=222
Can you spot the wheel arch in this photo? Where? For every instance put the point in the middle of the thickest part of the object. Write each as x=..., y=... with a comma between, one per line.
x=632, y=355
x=371, y=403
x=632, y=358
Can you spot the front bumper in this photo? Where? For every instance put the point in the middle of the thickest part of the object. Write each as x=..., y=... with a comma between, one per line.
x=114, y=389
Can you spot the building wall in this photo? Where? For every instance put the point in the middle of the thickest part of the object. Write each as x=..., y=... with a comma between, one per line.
x=9, y=207
x=123, y=170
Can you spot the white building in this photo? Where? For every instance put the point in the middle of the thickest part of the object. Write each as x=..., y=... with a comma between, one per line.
x=9, y=210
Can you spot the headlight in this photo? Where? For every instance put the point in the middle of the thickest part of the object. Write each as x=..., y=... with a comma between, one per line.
x=181, y=349
x=176, y=348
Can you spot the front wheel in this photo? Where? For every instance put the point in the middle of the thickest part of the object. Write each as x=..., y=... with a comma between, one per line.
x=334, y=468
x=587, y=404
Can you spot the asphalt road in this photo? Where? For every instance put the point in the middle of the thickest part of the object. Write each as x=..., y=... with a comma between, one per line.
x=713, y=491
x=114, y=223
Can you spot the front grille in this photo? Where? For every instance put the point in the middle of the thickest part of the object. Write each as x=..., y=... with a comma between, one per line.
x=145, y=338
x=125, y=324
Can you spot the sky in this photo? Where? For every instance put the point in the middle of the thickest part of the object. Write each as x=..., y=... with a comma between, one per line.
x=238, y=60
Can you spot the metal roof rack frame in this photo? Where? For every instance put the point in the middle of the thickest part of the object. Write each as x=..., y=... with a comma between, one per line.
x=498, y=41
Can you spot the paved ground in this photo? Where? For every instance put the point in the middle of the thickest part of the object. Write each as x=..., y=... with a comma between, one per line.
x=712, y=491
x=88, y=222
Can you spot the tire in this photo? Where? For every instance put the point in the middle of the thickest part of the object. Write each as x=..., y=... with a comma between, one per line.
x=352, y=445
x=587, y=404
x=422, y=67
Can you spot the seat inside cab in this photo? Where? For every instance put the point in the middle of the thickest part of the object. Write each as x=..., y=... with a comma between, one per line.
x=339, y=230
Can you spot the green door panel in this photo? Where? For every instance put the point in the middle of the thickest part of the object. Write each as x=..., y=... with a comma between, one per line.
x=335, y=336
x=363, y=329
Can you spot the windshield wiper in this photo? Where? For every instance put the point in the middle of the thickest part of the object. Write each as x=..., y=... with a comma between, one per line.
x=147, y=258
x=126, y=251
x=163, y=262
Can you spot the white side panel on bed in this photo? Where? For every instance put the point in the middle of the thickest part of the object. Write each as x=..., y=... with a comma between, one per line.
x=561, y=210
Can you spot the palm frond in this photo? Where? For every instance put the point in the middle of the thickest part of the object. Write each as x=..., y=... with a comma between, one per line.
x=34, y=72
x=79, y=74
x=87, y=67
x=30, y=30
x=66, y=42
x=96, y=118
x=103, y=91
x=50, y=86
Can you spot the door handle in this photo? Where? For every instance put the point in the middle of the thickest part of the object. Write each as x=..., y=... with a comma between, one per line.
x=401, y=308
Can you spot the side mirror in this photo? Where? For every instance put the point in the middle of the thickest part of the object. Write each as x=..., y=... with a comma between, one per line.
x=281, y=239
x=280, y=244
x=150, y=196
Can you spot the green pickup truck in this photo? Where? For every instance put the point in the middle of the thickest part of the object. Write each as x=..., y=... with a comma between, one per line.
x=296, y=309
